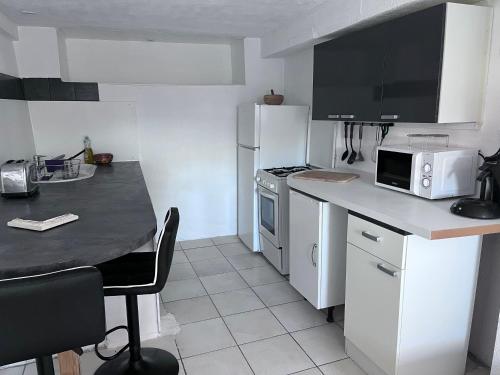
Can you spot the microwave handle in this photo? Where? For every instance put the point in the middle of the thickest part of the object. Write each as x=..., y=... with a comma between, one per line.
x=416, y=176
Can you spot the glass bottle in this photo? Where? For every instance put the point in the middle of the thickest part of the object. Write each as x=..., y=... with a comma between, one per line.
x=88, y=155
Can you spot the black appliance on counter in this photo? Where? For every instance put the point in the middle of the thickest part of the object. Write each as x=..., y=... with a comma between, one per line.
x=487, y=206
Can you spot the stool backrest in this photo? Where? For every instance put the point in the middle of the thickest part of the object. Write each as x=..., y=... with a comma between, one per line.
x=46, y=314
x=166, y=246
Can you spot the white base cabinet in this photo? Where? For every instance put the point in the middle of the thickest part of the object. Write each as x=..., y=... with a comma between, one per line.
x=409, y=301
x=317, y=250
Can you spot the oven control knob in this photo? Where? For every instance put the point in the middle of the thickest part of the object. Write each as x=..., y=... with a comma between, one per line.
x=258, y=179
x=271, y=186
x=426, y=182
x=427, y=167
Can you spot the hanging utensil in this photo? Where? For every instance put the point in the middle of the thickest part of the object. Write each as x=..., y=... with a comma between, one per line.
x=360, y=136
x=353, y=155
x=346, y=152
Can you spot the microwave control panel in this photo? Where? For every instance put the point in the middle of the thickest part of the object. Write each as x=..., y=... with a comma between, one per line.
x=426, y=172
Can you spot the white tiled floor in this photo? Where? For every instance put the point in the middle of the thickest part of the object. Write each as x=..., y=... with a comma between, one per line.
x=239, y=316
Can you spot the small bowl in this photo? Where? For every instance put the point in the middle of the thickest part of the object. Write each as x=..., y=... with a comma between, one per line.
x=103, y=159
x=273, y=99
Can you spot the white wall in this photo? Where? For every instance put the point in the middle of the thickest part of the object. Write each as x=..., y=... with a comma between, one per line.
x=16, y=137
x=8, y=63
x=16, y=140
x=59, y=127
x=109, y=61
x=186, y=139
x=7, y=27
x=298, y=91
x=37, y=52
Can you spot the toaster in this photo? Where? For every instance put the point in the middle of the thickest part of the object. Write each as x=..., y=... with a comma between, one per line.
x=16, y=179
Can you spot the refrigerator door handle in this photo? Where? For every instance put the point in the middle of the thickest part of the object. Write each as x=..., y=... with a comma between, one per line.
x=249, y=148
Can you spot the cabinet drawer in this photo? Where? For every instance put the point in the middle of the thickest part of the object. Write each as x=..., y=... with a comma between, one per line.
x=373, y=307
x=384, y=243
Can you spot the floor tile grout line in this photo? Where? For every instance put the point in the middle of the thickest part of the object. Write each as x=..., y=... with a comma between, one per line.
x=180, y=357
x=253, y=310
x=287, y=332
x=290, y=334
x=224, y=322
x=247, y=287
x=307, y=369
x=191, y=263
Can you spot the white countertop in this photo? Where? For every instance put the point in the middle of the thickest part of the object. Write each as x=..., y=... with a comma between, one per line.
x=430, y=219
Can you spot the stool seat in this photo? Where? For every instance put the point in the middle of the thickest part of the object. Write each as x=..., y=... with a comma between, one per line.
x=41, y=315
x=133, y=273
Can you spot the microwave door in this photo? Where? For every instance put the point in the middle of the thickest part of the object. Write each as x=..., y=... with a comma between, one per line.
x=394, y=170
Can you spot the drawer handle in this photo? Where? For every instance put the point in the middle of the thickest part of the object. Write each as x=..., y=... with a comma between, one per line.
x=386, y=270
x=333, y=116
x=347, y=116
x=315, y=246
x=371, y=236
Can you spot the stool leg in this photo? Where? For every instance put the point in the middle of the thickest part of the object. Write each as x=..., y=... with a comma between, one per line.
x=45, y=366
x=134, y=334
x=137, y=361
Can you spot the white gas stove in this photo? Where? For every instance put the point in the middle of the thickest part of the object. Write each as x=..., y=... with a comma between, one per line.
x=273, y=195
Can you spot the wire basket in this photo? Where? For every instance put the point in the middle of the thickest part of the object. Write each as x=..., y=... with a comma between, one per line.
x=71, y=168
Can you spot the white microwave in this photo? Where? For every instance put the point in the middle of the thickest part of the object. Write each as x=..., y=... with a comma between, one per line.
x=432, y=173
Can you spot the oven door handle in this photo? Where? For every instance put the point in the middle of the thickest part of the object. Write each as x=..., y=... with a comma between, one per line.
x=264, y=192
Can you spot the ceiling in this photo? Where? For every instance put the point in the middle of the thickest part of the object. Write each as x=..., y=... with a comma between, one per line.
x=218, y=18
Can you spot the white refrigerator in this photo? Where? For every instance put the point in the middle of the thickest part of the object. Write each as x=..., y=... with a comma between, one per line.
x=268, y=137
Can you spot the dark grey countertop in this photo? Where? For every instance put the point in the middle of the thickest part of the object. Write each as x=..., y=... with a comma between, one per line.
x=116, y=217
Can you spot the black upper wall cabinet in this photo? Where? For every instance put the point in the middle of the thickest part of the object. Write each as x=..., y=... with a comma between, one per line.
x=348, y=71
x=394, y=71
x=412, y=71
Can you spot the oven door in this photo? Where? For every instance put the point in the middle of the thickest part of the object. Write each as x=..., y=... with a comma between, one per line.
x=395, y=170
x=269, y=215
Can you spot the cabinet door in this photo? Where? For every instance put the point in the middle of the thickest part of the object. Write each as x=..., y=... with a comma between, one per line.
x=305, y=224
x=412, y=70
x=373, y=299
x=348, y=76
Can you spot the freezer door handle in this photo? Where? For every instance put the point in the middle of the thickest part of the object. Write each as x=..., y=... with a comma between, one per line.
x=249, y=148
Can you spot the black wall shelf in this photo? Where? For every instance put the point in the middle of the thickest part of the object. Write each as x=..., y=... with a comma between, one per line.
x=46, y=89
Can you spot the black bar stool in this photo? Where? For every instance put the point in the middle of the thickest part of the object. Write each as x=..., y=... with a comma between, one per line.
x=51, y=313
x=132, y=275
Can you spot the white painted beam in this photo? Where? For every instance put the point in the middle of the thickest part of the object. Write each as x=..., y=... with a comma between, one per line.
x=335, y=17
x=8, y=28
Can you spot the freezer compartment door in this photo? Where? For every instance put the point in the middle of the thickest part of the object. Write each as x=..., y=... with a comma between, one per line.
x=248, y=161
x=249, y=125
x=283, y=135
